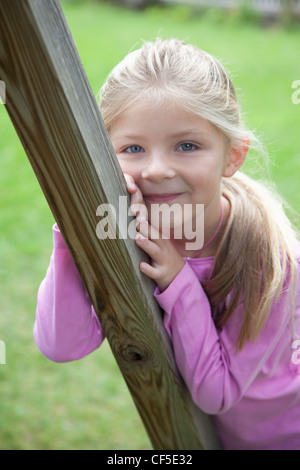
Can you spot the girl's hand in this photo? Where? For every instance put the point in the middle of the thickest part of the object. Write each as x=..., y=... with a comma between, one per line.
x=166, y=262
x=137, y=204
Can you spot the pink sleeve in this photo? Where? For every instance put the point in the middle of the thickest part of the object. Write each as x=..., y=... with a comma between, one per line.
x=66, y=326
x=216, y=375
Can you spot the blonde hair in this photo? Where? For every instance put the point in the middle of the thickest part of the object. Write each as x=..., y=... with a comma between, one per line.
x=255, y=262
x=255, y=255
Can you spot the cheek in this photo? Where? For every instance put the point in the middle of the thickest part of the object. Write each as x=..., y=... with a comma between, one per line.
x=126, y=166
x=122, y=165
x=130, y=168
x=205, y=182
x=197, y=179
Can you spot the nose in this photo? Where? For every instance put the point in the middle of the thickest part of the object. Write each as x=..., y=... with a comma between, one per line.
x=158, y=167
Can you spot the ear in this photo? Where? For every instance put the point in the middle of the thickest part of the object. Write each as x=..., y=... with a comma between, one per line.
x=235, y=158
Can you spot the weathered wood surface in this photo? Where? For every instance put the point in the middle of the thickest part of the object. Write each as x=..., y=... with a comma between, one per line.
x=56, y=117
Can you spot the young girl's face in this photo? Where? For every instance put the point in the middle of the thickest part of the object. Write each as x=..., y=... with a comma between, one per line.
x=174, y=156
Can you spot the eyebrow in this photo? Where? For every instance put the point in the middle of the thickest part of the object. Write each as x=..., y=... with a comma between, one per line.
x=199, y=132
x=128, y=136
x=174, y=135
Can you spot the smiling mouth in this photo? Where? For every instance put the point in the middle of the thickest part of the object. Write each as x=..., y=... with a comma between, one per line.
x=166, y=197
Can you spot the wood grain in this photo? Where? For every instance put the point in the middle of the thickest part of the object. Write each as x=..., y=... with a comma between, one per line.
x=52, y=107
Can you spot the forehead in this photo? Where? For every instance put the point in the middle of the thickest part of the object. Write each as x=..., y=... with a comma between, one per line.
x=164, y=117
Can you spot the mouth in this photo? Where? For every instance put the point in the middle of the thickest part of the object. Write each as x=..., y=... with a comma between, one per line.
x=165, y=197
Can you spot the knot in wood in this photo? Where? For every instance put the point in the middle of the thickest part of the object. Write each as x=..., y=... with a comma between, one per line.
x=133, y=354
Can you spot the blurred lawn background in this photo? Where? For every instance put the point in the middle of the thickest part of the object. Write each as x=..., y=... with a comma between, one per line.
x=86, y=404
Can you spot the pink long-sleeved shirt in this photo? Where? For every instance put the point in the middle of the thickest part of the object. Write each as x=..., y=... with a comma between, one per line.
x=254, y=394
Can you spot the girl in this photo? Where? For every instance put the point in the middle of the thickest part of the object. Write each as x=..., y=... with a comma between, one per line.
x=231, y=308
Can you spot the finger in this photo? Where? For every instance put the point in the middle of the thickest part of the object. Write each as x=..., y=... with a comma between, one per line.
x=140, y=211
x=147, y=229
x=149, y=247
x=142, y=226
x=137, y=197
x=130, y=183
x=149, y=270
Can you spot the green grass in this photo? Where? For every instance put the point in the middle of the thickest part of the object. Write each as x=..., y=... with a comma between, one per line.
x=86, y=404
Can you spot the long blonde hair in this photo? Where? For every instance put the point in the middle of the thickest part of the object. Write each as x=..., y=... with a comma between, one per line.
x=255, y=256
x=255, y=262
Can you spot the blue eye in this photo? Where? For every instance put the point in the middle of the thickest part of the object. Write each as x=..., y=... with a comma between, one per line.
x=187, y=147
x=134, y=149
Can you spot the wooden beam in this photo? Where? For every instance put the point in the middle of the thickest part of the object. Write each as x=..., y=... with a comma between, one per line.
x=52, y=107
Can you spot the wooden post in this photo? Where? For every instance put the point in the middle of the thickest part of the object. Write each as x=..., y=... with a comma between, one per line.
x=52, y=107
